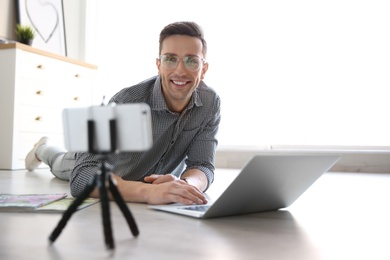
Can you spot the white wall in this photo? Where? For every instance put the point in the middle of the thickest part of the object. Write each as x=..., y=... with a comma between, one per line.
x=289, y=72
x=7, y=19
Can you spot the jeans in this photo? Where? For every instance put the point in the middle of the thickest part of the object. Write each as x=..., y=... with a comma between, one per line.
x=61, y=162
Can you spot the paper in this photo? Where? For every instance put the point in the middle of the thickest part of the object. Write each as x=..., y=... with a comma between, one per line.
x=63, y=204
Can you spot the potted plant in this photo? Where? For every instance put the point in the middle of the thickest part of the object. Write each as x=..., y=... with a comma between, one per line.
x=25, y=34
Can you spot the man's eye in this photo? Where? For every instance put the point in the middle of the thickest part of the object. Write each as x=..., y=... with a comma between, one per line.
x=170, y=59
x=192, y=60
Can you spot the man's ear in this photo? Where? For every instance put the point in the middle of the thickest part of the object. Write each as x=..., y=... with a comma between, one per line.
x=158, y=65
x=204, y=70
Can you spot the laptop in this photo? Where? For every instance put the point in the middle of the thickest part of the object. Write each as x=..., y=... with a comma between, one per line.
x=266, y=183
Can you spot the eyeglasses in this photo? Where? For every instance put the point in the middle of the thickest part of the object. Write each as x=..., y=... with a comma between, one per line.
x=191, y=62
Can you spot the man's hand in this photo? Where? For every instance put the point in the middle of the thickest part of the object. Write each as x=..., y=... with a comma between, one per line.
x=170, y=189
x=157, y=178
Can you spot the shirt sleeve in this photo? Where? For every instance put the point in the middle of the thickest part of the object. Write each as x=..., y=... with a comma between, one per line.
x=86, y=167
x=201, y=154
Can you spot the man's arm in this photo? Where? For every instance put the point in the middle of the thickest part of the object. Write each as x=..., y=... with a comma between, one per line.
x=195, y=177
x=167, y=190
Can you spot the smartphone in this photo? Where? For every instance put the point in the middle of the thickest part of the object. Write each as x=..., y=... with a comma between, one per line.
x=100, y=129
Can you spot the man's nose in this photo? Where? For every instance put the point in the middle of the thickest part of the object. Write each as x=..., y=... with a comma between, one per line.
x=181, y=68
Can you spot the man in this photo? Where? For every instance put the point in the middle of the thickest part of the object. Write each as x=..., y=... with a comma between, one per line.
x=185, y=120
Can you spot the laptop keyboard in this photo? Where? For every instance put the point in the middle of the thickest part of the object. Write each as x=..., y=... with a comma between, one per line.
x=201, y=208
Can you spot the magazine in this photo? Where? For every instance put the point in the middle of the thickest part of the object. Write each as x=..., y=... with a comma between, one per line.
x=39, y=202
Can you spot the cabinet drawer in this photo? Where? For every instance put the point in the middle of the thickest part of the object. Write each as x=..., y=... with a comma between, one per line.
x=78, y=75
x=40, y=93
x=40, y=120
x=80, y=99
x=74, y=95
x=35, y=66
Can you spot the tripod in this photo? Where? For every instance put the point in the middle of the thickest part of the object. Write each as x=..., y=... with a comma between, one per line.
x=103, y=179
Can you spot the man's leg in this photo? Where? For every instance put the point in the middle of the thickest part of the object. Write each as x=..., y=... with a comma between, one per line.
x=61, y=163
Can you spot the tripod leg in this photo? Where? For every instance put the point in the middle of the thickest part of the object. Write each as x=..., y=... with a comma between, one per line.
x=105, y=211
x=72, y=209
x=122, y=205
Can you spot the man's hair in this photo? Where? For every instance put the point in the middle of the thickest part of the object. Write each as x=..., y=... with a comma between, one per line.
x=183, y=28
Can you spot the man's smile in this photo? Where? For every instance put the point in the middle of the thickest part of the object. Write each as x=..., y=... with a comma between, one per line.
x=180, y=83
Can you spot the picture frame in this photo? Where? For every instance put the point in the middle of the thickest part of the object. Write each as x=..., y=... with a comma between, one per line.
x=47, y=19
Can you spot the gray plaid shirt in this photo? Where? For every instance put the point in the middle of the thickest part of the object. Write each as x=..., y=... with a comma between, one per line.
x=181, y=141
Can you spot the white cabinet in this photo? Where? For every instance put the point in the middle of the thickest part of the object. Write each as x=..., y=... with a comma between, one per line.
x=35, y=86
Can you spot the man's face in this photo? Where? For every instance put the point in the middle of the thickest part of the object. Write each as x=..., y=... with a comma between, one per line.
x=179, y=83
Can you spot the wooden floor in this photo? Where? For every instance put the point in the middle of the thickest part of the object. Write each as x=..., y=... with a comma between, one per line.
x=342, y=216
x=348, y=216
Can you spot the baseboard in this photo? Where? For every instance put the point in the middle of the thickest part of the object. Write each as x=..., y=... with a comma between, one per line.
x=352, y=160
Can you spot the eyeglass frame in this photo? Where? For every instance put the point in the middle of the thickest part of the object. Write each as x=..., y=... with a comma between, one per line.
x=203, y=60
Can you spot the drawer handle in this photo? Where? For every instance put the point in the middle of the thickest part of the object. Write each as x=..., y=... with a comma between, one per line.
x=77, y=76
x=38, y=118
x=39, y=92
x=40, y=66
x=76, y=98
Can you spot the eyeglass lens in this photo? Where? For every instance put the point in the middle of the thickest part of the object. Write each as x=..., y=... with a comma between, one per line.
x=171, y=61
